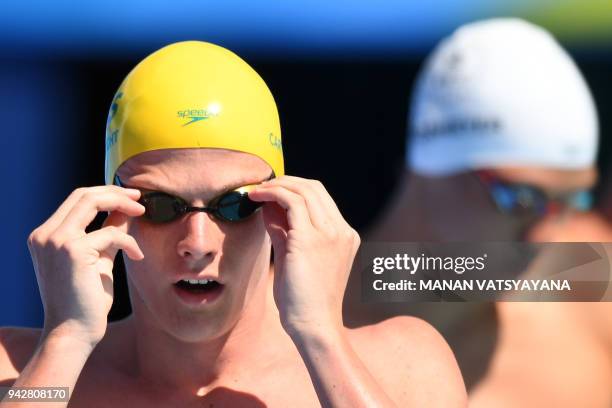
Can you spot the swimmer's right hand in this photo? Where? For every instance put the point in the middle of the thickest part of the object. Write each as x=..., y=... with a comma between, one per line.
x=74, y=268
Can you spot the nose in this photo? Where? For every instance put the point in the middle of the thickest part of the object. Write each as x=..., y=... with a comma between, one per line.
x=199, y=239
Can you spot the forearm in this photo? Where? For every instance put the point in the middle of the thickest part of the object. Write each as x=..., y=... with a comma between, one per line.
x=340, y=378
x=57, y=362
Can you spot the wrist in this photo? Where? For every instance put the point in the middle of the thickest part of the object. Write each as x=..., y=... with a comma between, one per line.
x=61, y=339
x=316, y=334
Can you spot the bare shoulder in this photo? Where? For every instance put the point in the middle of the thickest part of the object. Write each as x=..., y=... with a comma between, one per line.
x=17, y=344
x=412, y=361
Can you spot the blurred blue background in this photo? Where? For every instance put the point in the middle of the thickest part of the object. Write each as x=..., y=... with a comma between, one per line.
x=353, y=62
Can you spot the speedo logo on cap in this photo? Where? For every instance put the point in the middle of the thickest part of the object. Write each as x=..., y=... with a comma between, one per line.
x=193, y=115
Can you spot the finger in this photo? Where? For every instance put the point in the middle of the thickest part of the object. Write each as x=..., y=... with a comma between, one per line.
x=294, y=204
x=321, y=207
x=275, y=220
x=60, y=214
x=323, y=194
x=117, y=219
x=109, y=240
x=88, y=206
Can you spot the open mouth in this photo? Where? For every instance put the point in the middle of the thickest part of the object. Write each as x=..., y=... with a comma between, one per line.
x=197, y=285
x=198, y=290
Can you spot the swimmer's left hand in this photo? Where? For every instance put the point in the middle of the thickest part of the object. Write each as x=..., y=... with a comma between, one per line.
x=314, y=248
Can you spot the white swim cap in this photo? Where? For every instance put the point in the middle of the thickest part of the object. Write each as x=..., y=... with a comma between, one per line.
x=500, y=92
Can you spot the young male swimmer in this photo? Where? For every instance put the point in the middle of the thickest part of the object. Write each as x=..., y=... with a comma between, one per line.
x=212, y=323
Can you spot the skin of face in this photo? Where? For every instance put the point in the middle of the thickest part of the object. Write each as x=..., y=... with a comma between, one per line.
x=196, y=245
x=459, y=207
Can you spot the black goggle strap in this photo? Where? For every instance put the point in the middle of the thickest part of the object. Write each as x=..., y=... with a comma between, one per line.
x=182, y=207
x=187, y=209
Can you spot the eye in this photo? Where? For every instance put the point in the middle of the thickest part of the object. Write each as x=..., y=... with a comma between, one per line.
x=162, y=207
x=236, y=206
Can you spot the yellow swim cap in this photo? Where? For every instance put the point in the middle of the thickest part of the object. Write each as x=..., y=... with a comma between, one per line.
x=192, y=94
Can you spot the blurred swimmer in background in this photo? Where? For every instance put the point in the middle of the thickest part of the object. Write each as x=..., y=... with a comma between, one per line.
x=503, y=137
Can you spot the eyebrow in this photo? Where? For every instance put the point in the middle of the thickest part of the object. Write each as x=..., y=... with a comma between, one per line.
x=222, y=189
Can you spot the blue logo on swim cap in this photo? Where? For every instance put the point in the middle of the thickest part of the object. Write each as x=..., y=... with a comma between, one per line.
x=111, y=139
x=114, y=107
x=112, y=136
x=275, y=141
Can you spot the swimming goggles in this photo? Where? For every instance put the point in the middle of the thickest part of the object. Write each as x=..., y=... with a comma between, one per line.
x=231, y=206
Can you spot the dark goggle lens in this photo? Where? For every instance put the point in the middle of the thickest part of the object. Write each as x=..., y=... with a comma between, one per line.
x=236, y=206
x=232, y=206
x=161, y=207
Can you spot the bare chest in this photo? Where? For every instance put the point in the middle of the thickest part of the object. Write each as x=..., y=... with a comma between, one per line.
x=283, y=387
